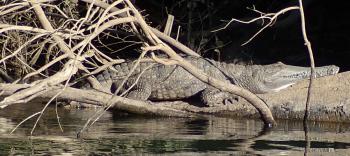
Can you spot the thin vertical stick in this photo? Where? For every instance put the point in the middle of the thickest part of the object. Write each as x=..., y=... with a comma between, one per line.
x=312, y=76
x=312, y=62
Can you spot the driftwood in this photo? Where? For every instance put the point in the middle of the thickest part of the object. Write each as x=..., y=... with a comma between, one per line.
x=97, y=98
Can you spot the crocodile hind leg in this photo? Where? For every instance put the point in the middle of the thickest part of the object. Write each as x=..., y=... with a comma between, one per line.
x=213, y=97
x=142, y=91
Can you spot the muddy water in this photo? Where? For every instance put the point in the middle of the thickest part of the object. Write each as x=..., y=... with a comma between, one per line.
x=115, y=134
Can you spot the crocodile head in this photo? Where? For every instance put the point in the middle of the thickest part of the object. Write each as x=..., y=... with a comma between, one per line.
x=274, y=77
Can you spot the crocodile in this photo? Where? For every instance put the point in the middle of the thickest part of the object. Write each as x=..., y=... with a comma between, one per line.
x=152, y=81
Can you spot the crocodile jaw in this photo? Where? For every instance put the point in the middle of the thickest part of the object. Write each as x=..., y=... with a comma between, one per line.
x=289, y=75
x=281, y=87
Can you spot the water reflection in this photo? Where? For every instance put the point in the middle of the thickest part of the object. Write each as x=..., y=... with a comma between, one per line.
x=119, y=134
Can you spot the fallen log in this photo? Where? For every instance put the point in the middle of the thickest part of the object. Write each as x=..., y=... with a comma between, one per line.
x=330, y=101
x=97, y=98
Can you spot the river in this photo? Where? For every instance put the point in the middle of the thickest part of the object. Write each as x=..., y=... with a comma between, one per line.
x=120, y=134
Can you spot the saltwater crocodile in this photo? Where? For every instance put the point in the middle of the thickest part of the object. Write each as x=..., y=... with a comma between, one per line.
x=162, y=82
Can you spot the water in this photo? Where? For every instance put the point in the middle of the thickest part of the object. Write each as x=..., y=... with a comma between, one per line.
x=115, y=134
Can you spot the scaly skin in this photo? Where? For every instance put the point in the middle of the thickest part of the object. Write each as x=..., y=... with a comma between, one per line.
x=160, y=82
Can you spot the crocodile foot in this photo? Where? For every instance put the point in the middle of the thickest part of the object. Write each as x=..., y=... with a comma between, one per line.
x=231, y=100
x=224, y=100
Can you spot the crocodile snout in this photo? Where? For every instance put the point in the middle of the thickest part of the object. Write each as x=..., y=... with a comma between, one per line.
x=333, y=70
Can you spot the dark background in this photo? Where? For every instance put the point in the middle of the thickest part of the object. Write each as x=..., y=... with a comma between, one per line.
x=327, y=28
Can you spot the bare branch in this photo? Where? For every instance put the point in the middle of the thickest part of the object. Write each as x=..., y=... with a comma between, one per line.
x=312, y=61
x=272, y=17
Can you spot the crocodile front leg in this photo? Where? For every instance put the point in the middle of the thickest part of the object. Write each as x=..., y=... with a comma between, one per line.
x=213, y=97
